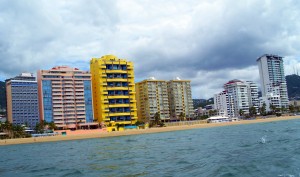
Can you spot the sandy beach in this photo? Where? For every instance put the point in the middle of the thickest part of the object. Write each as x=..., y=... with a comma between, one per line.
x=85, y=134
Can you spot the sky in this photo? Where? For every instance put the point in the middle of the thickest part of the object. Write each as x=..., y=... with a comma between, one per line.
x=206, y=41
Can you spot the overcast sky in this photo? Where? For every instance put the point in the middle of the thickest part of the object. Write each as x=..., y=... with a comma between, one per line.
x=206, y=41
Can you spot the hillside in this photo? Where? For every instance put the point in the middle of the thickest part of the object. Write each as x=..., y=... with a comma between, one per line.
x=2, y=95
x=293, y=86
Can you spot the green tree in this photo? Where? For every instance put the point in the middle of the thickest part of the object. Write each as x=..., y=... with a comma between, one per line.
x=262, y=109
x=52, y=126
x=272, y=108
x=252, y=111
x=181, y=116
x=283, y=109
x=241, y=112
x=157, y=118
x=291, y=108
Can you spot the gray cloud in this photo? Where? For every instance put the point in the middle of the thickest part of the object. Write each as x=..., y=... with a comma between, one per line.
x=208, y=42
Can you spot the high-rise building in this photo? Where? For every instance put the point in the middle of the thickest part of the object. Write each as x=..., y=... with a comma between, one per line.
x=180, y=99
x=239, y=92
x=237, y=98
x=65, y=97
x=113, y=90
x=22, y=100
x=273, y=83
x=224, y=104
x=152, y=98
x=253, y=95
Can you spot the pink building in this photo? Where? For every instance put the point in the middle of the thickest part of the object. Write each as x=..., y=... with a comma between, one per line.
x=65, y=97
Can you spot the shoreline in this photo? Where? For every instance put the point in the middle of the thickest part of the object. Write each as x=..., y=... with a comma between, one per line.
x=98, y=133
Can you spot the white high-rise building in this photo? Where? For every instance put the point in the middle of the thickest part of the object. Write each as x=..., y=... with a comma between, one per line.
x=237, y=96
x=223, y=103
x=239, y=92
x=253, y=95
x=273, y=83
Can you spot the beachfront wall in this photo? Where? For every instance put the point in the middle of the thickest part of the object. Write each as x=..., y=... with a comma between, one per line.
x=65, y=96
x=113, y=90
x=182, y=123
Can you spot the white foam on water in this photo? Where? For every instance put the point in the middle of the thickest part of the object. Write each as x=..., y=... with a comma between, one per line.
x=263, y=139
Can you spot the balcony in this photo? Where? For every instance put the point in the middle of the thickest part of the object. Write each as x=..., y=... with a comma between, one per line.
x=57, y=101
x=117, y=88
x=118, y=105
x=117, y=80
x=118, y=96
x=116, y=71
x=105, y=110
x=132, y=101
x=129, y=67
x=119, y=114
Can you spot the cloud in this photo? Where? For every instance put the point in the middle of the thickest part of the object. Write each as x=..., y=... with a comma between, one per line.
x=207, y=42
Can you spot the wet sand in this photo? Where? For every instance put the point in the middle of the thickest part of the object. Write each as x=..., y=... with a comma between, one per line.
x=101, y=133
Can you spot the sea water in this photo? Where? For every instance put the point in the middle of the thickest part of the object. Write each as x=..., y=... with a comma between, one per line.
x=263, y=149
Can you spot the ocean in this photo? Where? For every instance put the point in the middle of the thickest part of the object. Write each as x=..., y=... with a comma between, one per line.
x=263, y=149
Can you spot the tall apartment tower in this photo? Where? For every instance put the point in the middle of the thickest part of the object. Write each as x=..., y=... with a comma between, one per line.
x=113, y=90
x=239, y=92
x=65, y=97
x=152, y=98
x=253, y=95
x=22, y=100
x=223, y=103
x=180, y=98
x=273, y=81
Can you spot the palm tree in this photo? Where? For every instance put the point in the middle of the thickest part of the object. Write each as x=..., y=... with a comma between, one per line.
x=241, y=112
x=273, y=108
x=291, y=108
x=263, y=110
x=181, y=116
x=252, y=111
x=52, y=126
x=157, y=119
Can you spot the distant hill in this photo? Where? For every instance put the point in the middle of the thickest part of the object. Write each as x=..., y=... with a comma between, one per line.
x=2, y=95
x=293, y=86
x=202, y=102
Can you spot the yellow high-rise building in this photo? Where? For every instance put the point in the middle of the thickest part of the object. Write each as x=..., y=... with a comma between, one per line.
x=152, y=98
x=113, y=90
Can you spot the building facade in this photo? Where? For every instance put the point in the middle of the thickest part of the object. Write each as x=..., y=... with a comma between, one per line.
x=113, y=90
x=224, y=104
x=152, y=98
x=237, y=98
x=273, y=81
x=253, y=95
x=65, y=97
x=239, y=93
x=180, y=99
x=22, y=100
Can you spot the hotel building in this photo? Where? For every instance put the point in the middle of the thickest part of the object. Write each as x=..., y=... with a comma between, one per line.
x=113, y=90
x=223, y=103
x=237, y=95
x=65, y=97
x=238, y=90
x=22, y=100
x=273, y=83
x=152, y=98
x=180, y=98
